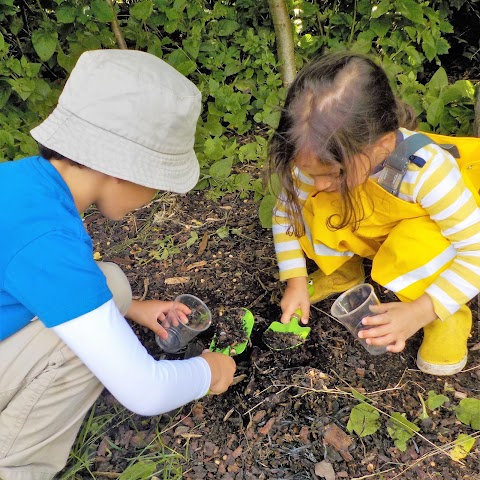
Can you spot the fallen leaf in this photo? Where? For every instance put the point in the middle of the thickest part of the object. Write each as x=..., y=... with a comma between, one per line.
x=267, y=427
x=203, y=243
x=196, y=265
x=176, y=280
x=475, y=347
x=238, y=379
x=339, y=440
x=325, y=470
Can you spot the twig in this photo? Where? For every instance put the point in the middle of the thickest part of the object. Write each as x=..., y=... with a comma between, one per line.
x=431, y=454
x=116, y=28
x=146, y=283
x=373, y=474
x=264, y=400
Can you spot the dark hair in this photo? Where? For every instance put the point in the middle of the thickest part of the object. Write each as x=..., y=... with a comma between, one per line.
x=338, y=104
x=50, y=154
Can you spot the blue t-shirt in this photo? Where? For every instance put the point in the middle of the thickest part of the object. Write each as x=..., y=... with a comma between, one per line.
x=46, y=263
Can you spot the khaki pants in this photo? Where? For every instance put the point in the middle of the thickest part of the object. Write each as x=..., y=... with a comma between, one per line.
x=45, y=392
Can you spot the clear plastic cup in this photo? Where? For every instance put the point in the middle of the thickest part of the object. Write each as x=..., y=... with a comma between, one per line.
x=182, y=328
x=351, y=307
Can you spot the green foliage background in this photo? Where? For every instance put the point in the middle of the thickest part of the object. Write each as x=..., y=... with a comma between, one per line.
x=227, y=48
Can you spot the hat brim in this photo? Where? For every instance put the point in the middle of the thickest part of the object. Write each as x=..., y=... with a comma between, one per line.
x=116, y=155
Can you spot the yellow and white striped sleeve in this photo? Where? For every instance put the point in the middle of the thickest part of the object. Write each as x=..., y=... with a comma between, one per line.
x=440, y=190
x=290, y=258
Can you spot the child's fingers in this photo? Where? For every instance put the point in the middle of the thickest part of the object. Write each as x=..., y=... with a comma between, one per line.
x=287, y=315
x=396, y=347
x=375, y=320
x=376, y=333
x=382, y=308
x=160, y=331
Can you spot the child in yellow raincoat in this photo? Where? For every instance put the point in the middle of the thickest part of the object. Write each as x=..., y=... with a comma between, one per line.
x=358, y=182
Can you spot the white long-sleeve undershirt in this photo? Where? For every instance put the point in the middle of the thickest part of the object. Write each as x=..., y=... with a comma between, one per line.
x=104, y=341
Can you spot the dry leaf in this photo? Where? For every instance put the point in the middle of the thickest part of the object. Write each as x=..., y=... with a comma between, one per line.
x=196, y=265
x=325, y=470
x=203, y=243
x=339, y=440
x=238, y=379
x=176, y=280
x=475, y=347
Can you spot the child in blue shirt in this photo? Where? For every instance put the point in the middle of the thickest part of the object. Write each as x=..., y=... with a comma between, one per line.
x=123, y=128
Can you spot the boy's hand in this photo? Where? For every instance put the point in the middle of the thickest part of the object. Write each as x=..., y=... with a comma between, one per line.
x=396, y=322
x=150, y=312
x=294, y=298
x=223, y=368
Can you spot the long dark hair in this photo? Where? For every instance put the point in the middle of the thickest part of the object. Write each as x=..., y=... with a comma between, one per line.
x=338, y=104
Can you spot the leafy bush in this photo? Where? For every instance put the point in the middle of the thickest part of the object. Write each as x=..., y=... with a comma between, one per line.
x=227, y=49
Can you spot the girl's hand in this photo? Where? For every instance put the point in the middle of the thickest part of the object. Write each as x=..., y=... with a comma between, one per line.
x=156, y=315
x=396, y=322
x=294, y=298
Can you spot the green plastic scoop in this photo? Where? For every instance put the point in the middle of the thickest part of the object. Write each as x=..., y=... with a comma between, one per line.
x=283, y=336
x=248, y=321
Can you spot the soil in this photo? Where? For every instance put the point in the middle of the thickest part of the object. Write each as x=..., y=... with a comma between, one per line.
x=286, y=415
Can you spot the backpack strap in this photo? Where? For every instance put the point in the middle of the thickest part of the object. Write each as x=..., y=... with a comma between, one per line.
x=396, y=164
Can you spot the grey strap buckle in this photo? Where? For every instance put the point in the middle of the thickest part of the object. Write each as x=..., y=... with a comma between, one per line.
x=396, y=163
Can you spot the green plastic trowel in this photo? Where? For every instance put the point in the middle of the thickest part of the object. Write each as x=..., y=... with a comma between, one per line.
x=283, y=336
x=248, y=321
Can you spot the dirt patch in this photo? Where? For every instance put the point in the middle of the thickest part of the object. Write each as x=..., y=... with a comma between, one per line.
x=286, y=417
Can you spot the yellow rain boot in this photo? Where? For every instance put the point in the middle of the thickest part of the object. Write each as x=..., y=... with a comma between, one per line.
x=444, y=347
x=322, y=286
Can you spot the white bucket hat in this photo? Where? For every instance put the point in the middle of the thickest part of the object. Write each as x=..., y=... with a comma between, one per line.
x=130, y=115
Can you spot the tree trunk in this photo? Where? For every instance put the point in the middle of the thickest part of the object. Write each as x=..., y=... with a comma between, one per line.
x=284, y=38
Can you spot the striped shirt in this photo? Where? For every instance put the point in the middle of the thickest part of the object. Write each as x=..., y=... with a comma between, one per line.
x=439, y=189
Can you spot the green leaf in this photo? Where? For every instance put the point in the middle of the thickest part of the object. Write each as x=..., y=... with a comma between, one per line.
x=242, y=181
x=5, y=138
x=139, y=470
x=44, y=42
x=221, y=169
x=359, y=396
x=435, y=112
x=142, y=10
x=460, y=90
x=429, y=46
x=193, y=239
x=435, y=400
x=401, y=430
x=438, y=81
x=364, y=420
x=65, y=14
x=468, y=412
x=213, y=148
x=265, y=210
x=102, y=11
x=223, y=232
x=4, y=95
x=24, y=87
x=380, y=9
x=380, y=26
x=227, y=27
x=410, y=9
